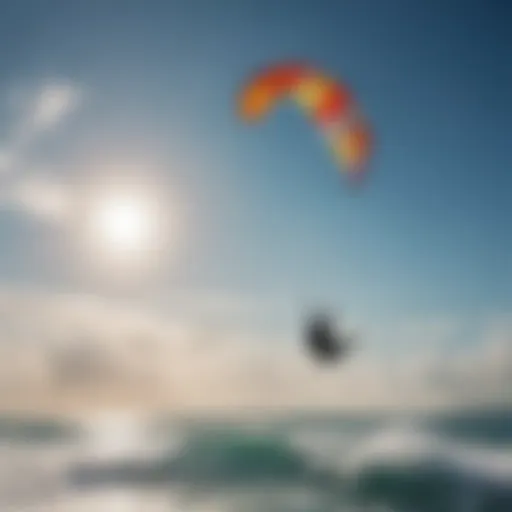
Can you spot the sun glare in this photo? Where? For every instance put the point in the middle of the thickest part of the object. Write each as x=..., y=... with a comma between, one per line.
x=124, y=223
x=126, y=231
x=127, y=220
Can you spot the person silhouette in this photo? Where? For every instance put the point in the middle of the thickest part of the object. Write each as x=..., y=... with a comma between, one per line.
x=322, y=340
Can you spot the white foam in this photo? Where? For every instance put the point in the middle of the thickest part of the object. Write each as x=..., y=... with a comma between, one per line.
x=410, y=446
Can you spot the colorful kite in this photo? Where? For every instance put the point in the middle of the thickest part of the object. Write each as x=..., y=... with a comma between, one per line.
x=328, y=103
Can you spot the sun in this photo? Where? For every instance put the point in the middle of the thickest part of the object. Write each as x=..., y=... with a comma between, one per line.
x=124, y=223
x=127, y=231
x=127, y=225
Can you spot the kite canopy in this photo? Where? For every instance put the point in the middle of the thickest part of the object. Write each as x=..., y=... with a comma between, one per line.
x=326, y=101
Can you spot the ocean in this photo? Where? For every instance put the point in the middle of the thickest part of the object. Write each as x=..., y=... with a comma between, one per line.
x=450, y=462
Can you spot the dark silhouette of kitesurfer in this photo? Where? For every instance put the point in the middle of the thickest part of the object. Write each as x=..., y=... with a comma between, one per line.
x=323, y=342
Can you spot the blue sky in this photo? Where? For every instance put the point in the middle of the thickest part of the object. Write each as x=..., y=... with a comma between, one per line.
x=269, y=216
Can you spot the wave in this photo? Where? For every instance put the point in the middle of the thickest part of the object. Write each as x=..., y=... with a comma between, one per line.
x=403, y=469
x=410, y=468
x=220, y=458
x=413, y=470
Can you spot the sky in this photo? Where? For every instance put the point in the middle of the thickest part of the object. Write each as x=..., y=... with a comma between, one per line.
x=261, y=227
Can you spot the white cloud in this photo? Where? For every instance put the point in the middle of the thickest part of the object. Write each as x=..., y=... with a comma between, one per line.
x=51, y=104
x=72, y=351
x=37, y=110
x=481, y=374
x=39, y=195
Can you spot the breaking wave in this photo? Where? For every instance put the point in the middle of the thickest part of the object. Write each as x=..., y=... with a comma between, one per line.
x=412, y=468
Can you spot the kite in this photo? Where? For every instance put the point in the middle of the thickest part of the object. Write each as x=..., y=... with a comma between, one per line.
x=327, y=102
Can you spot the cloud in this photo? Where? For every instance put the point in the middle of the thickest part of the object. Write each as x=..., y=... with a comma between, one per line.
x=42, y=108
x=52, y=103
x=39, y=195
x=481, y=374
x=74, y=352
x=38, y=110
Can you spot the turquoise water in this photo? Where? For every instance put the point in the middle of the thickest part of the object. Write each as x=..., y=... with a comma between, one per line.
x=456, y=463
